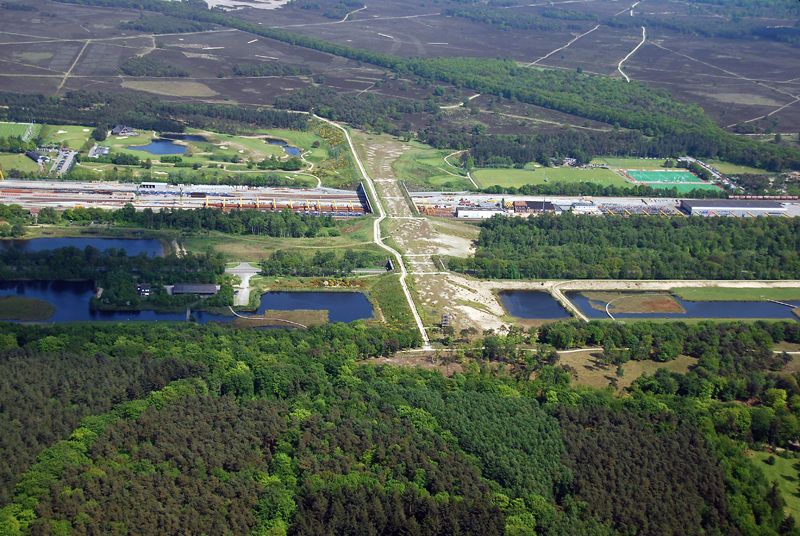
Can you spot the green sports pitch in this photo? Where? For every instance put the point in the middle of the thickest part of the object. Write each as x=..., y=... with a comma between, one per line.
x=671, y=177
x=682, y=181
x=26, y=131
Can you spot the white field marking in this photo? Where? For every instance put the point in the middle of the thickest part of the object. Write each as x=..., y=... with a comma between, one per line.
x=531, y=64
x=631, y=53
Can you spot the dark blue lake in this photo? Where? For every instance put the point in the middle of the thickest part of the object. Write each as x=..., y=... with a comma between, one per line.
x=341, y=306
x=132, y=246
x=532, y=304
x=71, y=301
x=288, y=149
x=160, y=147
x=695, y=309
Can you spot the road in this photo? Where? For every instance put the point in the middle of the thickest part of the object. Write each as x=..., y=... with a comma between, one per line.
x=631, y=53
x=378, y=206
x=244, y=271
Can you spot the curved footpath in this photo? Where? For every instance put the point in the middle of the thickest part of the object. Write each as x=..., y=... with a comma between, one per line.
x=377, y=233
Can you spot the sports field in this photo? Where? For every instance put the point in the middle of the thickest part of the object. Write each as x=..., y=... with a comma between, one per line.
x=664, y=176
x=683, y=181
x=26, y=131
x=519, y=177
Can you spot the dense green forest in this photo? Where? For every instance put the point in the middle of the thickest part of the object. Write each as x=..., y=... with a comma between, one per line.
x=44, y=398
x=140, y=111
x=285, y=224
x=367, y=111
x=273, y=432
x=322, y=263
x=573, y=246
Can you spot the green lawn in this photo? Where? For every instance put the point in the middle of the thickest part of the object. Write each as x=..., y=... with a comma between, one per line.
x=425, y=166
x=17, y=161
x=664, y=176
x=519, y=177
x=354, y=234
x=737, y=294
x=785, y=473
x=727, y=167
x=72, y=136
x=19, y=130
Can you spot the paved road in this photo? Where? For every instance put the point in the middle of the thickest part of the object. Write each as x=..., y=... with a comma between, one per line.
x=245, y=271
x=378, y=206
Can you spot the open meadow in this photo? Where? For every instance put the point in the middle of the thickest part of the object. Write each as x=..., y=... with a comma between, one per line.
x=519, y=177
x=427, y=168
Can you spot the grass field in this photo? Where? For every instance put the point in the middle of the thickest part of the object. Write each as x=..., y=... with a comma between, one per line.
x=737, y=294
x=681, y=180
x=785, y=473
x=591, y=372
x=17, y=161
x=25, y=309
x=727, y=167
x=519, y=177
x=669, y=177
x=72, y=136
x=355, y=234
x=426, y=166
x=19, y=130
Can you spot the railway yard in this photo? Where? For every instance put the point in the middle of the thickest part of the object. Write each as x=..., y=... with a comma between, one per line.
x=35, y=195
x=479, y=206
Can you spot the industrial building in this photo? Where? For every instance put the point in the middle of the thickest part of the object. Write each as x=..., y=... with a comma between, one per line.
x=741, y=208
x=35, y=195
x=478, y=213
x=533, y=207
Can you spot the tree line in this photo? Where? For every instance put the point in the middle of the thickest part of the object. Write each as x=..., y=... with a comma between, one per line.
x=284, y=224
x=571, y=246
x=322, y=263
x=141, y=111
